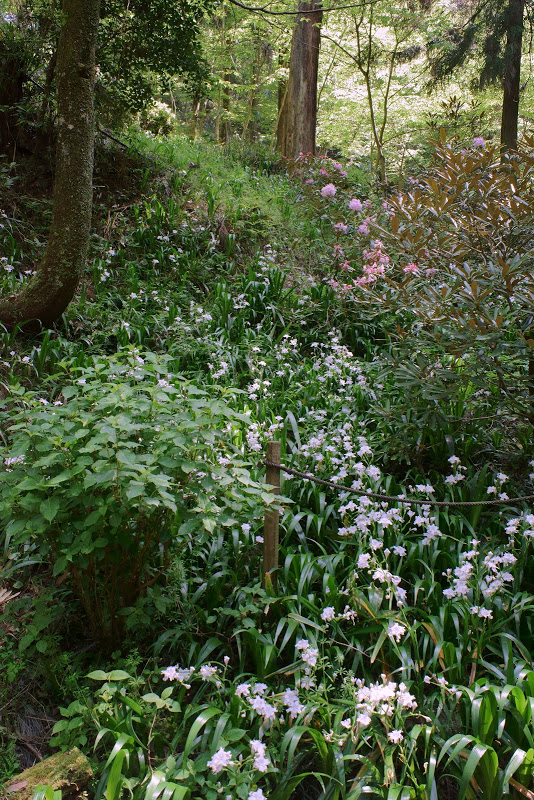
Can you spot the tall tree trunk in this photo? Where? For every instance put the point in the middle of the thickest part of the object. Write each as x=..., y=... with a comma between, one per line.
x=512, y=74
x=298, y=117
x=12, y=76
x=281, y=121
x=46, y=296
x=194, y=121
x=225, y=133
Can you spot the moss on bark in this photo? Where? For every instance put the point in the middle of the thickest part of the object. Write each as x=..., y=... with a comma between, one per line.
x=68, y=771
x=46, y=296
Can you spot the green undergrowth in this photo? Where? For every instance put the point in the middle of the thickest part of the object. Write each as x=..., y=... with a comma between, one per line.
x=393, y=657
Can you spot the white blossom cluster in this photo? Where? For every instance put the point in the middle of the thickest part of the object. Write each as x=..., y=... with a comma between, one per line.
x=523, y=526
x=458, y=471
x=384, y=700
x=481, y=575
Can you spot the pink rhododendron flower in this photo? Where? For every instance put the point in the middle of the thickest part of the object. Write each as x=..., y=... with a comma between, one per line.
x=339, y=169
x=430, y=271
x=355, y=205
x=479, y=141
x=329, y=190
x=340, y=227
x=309, y=181
x=363, y=229
x=323, y=171
x=411, y=267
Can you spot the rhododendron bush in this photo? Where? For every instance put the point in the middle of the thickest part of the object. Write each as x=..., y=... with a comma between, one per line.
x=452, y=258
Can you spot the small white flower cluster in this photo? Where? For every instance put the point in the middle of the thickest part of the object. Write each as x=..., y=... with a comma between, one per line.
x=254, y=694
x=258, y=388
x=487, y=575
x=396, y=631
x=199, y=317
x=458, y=471
x=500, y=478
x=427, y=522
x=329, y=614
x=223, y=370
x=497, y=574
x=460, y=576
x=220, y=760
x=381, y=574
x=381, y=699
x=223, y=759
x=443, y=683
x=206, y=672
x=258, y=749
x=12, y=461
x=367, y=514
x=523, y=525
x=308, y=654
x=336, y=365
x=257, y=435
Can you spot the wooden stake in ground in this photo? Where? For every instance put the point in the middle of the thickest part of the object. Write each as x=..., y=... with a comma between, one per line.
x=271, y=520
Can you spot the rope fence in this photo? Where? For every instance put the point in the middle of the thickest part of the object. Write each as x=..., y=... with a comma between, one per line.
x=271, y=522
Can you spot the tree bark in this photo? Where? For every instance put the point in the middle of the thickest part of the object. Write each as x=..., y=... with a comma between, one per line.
x=226, y=127
x=512, y=74
x=12, y=76
x=46, y=296
x=297, y=121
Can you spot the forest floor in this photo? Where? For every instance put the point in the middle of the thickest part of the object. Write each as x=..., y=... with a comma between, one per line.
x=219, y=311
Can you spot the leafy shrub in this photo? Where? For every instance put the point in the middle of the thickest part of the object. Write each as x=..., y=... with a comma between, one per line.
x=129, y=460
x=454, y=264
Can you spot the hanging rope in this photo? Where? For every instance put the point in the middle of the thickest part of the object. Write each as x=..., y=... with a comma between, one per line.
x=399, y=499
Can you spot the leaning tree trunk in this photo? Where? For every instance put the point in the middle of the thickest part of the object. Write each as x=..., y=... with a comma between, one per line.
x=298, y=117
x=512, y=74
x=46, y=296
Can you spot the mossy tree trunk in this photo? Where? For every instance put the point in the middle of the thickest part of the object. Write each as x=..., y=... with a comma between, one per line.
x=46, y=296
x=512, y=72
x=297, y=120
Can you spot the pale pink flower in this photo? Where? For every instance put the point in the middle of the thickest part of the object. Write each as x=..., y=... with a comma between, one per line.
x=221, y=759
x=479, y=141
x=355, y=205
x=329, y=190
x=340, y=227
x=411, y=267
x=257, y=795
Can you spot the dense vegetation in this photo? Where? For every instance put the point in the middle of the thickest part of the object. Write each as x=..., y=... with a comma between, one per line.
x=384, y=335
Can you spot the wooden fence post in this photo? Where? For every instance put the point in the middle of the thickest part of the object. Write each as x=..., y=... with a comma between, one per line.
x=271, y=519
